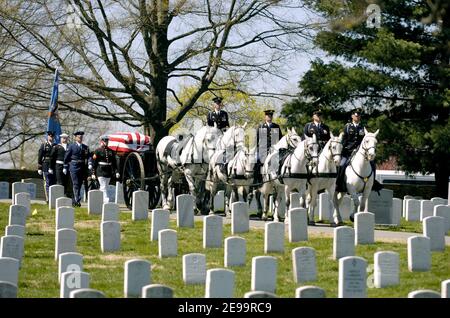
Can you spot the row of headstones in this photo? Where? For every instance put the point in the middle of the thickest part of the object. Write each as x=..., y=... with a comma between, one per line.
x=95, y=197
x=12, y=245
x=417, y=210
x=221, y=282
x=17, y=187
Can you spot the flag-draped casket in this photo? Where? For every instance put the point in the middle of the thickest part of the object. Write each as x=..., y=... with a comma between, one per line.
x=125, y=142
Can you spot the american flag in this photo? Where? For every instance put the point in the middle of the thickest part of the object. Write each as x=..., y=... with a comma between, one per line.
x=128, y=142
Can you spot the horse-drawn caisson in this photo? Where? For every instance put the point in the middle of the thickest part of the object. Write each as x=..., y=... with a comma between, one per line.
x=202, y=162
x=136, y=162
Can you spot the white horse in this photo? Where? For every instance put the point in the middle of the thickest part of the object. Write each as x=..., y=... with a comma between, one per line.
x=195, y=158
x=359, y=174
x=324, y=176
x=168, y=163
x=292, y=175
x=232, y=141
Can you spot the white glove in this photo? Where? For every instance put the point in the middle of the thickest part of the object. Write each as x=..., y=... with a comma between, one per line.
x=50, y=171
x=90, y=167
x=117, y=175
x=93, y=177
x=65, y=171
x=40, y=172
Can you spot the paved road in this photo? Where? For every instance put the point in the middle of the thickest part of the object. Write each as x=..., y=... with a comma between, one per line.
x=319, y=230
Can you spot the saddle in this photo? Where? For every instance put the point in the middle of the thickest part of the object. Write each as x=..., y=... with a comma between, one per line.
x=282, y=155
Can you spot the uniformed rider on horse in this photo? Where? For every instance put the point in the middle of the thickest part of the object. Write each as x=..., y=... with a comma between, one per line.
x=218, y=116
x=353, y=136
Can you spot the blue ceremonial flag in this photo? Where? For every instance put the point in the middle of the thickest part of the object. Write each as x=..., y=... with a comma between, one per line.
x=53, y=120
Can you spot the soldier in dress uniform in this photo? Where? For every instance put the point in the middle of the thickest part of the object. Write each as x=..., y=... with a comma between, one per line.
x=76, y=160
x=103, y=163
x=267, y=135
x=318, y=128
x=353, y=136
x=57, y=162
x=218, y=116
x=44, y=162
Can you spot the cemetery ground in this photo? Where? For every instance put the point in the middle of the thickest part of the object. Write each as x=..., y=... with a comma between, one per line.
x=38, y=276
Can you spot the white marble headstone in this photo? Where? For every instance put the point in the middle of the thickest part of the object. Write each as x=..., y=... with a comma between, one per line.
x=424, y=293
x=137, y=275
x=119, y=194
x=65, y=218
x=8, y=290
x=386, y=269
x=4, y=190
x=343, y=242
x=310, y=292
x=157, y=291
x=304, y=264
x=95, y=202
x=160, y=221
x=274, y=237
x=17, y=215
x=397, y=207
x=71, y=281
x=69, y=262
x=219, y=283
x=212, y=231
x=167, y=243
x=412, y=210
x=12, y=246
x=18, y=230
x=419, y=254
x=235, y=251
x=86, y=293
x=140, y=205
x=352, y=277
x=433, y=227
x=63, y=201
x=66, y=241
x=9, y=270
x=264, y=273
x=240, y=222
x=56, y=191
x=364, y=228
x=23, y=199
x=443, y=211
x=426, y=209
x=325, y=211
x=110, y=236
x=298, y=225
x=185, y=210
x=194, y=268
x=110, y=212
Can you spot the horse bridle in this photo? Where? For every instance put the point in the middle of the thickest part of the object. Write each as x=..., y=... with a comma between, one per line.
x=308, y=153
x=366, y=150
x=331, y=149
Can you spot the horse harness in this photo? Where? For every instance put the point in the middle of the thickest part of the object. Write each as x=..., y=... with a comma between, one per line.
x=364, y=179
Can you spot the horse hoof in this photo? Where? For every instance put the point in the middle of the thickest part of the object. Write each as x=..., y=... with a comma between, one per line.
x=312, y=223
x=352, y=218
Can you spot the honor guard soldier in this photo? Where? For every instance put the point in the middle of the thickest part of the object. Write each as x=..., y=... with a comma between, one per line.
x=44, y=162
x=268, y=134
x=76, y=159
x=103, y=163
x=318, y=128
x=57, y=162
x=218, y=116
x=353, y=136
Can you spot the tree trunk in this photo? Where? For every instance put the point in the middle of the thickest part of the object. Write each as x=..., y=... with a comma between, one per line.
x=442, y=174
x=155, y=133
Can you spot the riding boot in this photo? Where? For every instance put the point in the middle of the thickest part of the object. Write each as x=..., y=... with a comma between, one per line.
x=376, y=185
x=340, y=187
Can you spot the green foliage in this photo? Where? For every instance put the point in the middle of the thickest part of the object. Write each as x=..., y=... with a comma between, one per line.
x=398, y=74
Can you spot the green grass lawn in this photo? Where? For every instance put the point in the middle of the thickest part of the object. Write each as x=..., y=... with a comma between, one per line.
x=38, y=275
